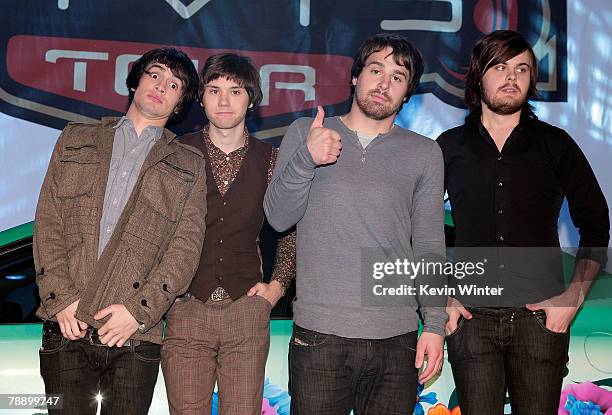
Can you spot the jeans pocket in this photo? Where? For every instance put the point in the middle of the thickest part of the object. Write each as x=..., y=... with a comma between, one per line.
x=460, y=324
x=52, y=343
x=148, y=352
x=540, y=317
x=304, y=338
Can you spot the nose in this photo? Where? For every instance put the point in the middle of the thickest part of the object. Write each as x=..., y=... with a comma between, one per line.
x=385, y=81
x=223, y=98
x=511, y=74
x=159, y=86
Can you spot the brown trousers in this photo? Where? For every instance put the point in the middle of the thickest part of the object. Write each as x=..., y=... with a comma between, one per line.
x=226, y=342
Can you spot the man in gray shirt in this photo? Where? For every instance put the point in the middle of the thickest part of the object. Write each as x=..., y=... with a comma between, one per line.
x=357, y=199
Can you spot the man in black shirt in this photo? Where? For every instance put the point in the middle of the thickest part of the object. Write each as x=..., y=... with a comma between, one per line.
x=506, y=174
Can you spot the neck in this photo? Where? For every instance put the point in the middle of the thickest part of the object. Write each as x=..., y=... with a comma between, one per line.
x=141, y=122
x=227, y=139
x=499, y=126
x=494, y=121
x=358, y=121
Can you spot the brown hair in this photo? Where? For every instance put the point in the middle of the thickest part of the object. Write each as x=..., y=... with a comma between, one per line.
x=239, y=69
x=404, y=53
x=492, y=49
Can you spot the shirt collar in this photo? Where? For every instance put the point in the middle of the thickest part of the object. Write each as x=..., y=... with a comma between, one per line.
x=150, y=133
x=213, y=149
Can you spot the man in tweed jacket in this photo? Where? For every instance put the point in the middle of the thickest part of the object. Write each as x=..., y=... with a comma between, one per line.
x=118, y=234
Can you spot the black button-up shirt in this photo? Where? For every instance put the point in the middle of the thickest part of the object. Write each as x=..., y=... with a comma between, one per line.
x=513, y=197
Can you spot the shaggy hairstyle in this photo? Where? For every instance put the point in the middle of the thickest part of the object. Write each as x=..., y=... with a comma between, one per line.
x=239, y=69
x=492, y=49
x=181, y=66
x=404, y=54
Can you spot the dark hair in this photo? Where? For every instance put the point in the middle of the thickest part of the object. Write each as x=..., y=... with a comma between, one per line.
x=237, y=68
x=178, y=62
x=492, y=49
x=404, y=53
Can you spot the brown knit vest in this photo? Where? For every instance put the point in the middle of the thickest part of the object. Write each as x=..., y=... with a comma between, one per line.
x=230, y=257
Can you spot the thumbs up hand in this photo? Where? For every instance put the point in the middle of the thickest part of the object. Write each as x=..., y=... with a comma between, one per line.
x=323, y=144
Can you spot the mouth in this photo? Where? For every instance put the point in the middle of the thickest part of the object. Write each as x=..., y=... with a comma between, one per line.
x=510, y=89
x=224, y=114
x=155, y=98
x=379, y=97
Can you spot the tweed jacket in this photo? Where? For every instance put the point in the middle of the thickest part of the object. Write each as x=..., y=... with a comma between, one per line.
x=155, y=248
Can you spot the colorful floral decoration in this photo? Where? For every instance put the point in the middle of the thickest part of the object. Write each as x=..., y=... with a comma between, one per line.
x=276, y=401
x=429, y=398
x=441, y=409
x=585, y=399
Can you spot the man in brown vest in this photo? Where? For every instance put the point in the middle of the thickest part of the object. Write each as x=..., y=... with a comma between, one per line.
x=219, y=332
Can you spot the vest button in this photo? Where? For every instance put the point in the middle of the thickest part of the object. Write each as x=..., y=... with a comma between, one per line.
x=221, y=219
x=224, y=203
x=136, y=285
x=219, y=278
x=220, y=241
x=220, y=260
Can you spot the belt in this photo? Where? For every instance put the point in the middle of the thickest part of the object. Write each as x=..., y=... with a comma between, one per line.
x=91, y=335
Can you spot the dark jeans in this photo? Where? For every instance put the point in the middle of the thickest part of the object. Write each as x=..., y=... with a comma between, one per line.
x=333, y=375
x=508, y=349
x=124, y=376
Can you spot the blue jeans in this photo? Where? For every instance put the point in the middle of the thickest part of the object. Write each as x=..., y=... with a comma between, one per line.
x=507, y=349
x=331, y=375
x=124, y=376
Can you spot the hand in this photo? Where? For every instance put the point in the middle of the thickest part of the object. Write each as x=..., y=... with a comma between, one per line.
x=432, y=345
x=119, y=328
x=323, y=144
x=71, y=327
x=560, y=311
x=455, y=309
x=272, y=292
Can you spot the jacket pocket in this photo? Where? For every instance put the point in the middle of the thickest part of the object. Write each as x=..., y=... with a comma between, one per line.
x=165, y=189
x=79, y=167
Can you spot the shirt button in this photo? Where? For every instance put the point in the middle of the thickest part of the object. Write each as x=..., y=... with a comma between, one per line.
x=500, y=184
x=124, y=174
x=499, y=158
x=500, y=211
x=115, y=202
x=501, y=238
x=225, y=182
x=227, y=158
x=108, y=229
x=133, y=151
x=136, y=285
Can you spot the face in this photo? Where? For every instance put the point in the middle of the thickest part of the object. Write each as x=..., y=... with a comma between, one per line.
x=505, y=85
x=381, y=86
x=159, y=92
x=225, y=103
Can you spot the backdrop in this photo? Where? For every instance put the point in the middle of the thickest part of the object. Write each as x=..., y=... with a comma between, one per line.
x=67, y=61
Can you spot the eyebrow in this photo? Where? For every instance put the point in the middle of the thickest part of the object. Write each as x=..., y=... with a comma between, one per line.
x=397, y=71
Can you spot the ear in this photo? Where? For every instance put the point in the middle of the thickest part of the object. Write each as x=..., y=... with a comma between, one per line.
x=250, y=105
x=354, y=81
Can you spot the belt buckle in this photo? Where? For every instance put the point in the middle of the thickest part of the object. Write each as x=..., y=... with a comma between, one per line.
x=219, y=294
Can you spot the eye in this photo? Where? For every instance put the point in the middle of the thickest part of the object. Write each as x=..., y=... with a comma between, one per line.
x=522, y=70
x=173, y=85
x=154, y=75
x=500, y=67
x=213, y=91
x=236, y=92
x=397, y=78
x=375, y=71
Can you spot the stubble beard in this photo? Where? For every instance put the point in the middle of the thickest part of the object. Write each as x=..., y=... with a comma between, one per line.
x=376, y=110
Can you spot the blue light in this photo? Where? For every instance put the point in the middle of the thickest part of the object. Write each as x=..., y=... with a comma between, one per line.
x=15, y=277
